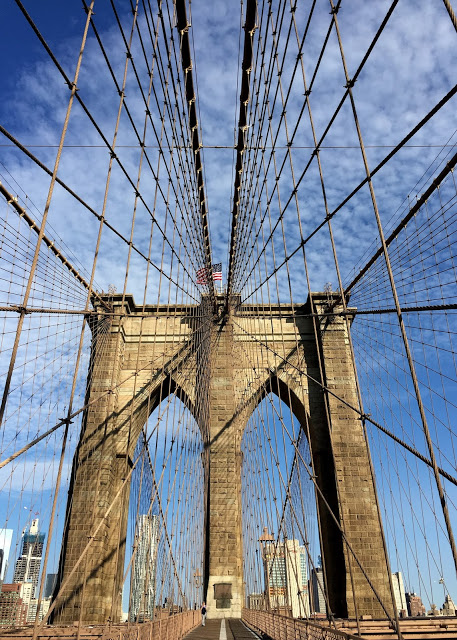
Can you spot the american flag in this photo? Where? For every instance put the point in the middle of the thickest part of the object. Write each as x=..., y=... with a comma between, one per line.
x=202, y=276
x=217, y=271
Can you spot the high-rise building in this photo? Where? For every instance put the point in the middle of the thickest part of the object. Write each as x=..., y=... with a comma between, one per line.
x=26, y=592
x=286, y=577
x=13, y=609
x=318, y=604
x=415, y=605
x=142, y=591
x=399, y=594
x=6, y=535
x=448, y=608
x=32, y=609
x=301, y=604
x=275, y=576
x=29, y=562
x=50, y=584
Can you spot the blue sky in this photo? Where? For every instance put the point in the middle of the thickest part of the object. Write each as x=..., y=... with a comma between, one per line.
x=407, y=73
x=390, y=100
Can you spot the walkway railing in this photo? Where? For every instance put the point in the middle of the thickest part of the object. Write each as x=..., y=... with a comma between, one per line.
x=278, y=627
x=168, y=627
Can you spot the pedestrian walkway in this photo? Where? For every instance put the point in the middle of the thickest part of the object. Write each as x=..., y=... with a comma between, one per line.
x=225, y=629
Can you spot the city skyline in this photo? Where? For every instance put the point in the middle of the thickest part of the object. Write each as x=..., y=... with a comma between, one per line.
x=286, y=577
x=287, y=584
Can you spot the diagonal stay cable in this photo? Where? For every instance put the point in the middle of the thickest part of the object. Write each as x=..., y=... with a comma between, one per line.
x=258, y=144
x=166, y=370
x=437, y=107
x=322, y=224
x=367, y=417
x=282, y=115
x=182, y=26
x=402, y=224
x=246, y=65
x=93, y=211
x=49, y=243
x=99, y=131
x=148, y=114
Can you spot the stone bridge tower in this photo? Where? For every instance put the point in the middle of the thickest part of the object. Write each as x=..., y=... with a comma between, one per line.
x=282, y=342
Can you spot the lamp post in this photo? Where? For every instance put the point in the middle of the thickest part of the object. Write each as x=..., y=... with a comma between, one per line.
x=264, y=539
x=198, y=581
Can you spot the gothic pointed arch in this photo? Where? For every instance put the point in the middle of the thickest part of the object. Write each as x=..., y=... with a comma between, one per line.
x=315, y=429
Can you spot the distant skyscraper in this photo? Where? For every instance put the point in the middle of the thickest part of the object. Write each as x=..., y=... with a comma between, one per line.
x=6, y=535
x=28, y=564
x=33, y=605
x=399, y=593
x=142, y=593
x=448, y=606
x=51, y=579
x=414, y=604
x=286, y=577
x=275, y=575
x=13, y=609
x=318, y=604
x=303, y=609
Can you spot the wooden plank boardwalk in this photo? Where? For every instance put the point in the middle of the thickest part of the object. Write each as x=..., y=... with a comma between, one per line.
x=225, y=629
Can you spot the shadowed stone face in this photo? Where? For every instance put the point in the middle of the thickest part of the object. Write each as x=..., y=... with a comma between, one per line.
x=250, y=353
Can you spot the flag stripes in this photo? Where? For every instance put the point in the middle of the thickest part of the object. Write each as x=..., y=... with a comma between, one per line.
x=202, y=275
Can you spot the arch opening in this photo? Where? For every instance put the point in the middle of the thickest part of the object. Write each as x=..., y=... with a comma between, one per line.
x=163, y=563
x=139, y=463
x=282, y=553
